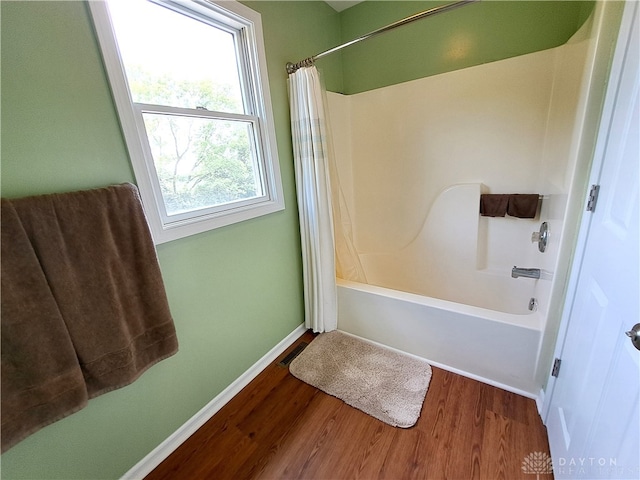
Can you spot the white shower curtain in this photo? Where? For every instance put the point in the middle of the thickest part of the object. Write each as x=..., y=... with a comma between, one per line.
x=314, y=171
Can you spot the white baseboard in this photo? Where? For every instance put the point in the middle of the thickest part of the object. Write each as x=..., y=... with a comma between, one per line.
x=162, y=451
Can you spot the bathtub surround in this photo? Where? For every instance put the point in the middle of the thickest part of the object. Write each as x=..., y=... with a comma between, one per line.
x=485, y=124
x=103, y=298
x=383, y=383
x=419, y=157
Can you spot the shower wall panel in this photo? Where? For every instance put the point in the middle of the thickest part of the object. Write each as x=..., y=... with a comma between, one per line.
x=484, y=124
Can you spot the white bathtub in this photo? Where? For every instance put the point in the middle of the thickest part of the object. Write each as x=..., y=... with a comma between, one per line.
x=494, y=347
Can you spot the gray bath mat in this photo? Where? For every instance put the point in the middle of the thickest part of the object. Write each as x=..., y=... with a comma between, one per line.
x=385, y=384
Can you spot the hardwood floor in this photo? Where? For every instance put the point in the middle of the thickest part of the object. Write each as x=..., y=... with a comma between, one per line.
x=279, y=427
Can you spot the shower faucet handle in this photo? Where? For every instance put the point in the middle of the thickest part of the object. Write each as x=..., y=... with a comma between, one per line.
x=541, y=237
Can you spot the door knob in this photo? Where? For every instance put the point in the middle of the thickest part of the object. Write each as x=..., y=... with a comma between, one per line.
x=634, y=335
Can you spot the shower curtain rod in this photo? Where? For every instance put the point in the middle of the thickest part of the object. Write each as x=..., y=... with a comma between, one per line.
x=292, y=67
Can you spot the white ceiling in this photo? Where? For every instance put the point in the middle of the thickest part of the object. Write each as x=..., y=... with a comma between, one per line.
x=339, y=5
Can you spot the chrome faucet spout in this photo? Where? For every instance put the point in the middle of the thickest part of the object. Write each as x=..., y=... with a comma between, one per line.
x=525, y=272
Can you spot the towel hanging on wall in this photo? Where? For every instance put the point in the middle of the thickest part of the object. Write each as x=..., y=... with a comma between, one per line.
x=523, y=205
x=513, y=204
x=84, y=310
x=41, y=377
x=493, y=205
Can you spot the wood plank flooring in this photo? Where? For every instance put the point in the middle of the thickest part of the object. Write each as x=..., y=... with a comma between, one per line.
x=281, y=428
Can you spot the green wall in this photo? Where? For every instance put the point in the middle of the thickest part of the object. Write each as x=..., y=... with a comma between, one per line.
x=234, y=292
x=471, y=35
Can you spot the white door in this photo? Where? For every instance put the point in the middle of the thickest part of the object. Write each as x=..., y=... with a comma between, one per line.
x=594, y=414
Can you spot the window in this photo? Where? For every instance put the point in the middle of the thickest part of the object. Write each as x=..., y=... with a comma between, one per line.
x=190, y=85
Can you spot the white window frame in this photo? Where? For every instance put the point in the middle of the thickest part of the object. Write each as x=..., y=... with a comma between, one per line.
x=253, y=68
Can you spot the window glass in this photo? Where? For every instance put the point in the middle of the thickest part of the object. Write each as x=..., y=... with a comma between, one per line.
x=172, y=59
x=202, y=162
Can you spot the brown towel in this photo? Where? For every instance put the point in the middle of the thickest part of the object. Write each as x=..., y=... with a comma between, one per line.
x=523, y=205
x=41, y=377
x=493, y=205
x=96, y=253
x=512, y=204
